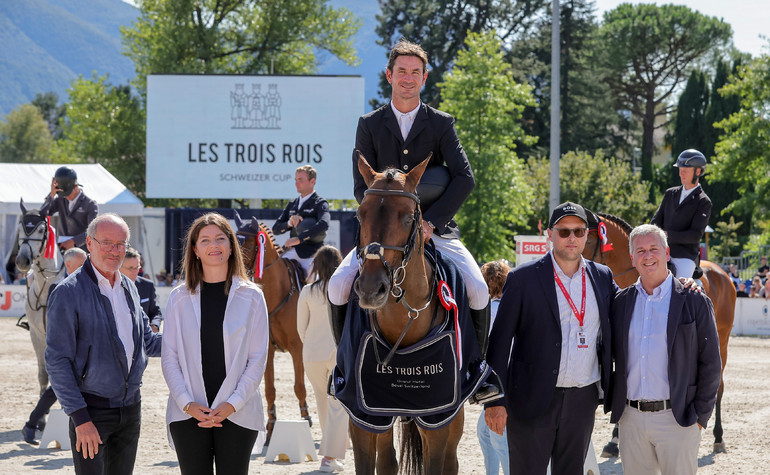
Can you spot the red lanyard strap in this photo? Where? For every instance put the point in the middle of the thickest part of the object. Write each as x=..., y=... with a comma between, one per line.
x=579, y=315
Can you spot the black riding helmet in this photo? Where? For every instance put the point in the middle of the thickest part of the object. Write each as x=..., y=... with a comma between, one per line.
x=692, y=158
x=67, y=180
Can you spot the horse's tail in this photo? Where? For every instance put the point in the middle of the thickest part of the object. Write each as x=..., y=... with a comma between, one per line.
x=410, y=461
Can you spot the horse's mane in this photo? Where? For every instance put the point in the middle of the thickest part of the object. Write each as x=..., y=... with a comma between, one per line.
x=619, y=222
x=270, y=235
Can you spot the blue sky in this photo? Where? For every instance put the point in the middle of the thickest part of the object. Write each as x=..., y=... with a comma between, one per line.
x=749, y=18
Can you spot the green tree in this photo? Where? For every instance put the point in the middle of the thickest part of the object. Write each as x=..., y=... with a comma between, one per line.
x=487, y=103
x=649, y=50
x=51, y=110
x=600, y=184
x=690, y=121
x=743, y=156
x=237, y=36
x=720, y=107
x=725, y=233
x=441, y=27
x=24, y=136
x=589, y=117
x=106, y=125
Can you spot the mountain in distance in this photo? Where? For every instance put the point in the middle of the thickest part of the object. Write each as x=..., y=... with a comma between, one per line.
x=45, y=44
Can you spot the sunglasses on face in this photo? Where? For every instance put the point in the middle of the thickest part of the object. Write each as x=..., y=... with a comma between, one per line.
x=565, y=232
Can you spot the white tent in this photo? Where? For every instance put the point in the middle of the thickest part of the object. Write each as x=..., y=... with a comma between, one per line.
x=32, y=182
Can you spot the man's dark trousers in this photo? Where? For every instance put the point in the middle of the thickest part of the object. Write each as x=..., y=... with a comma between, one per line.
x=119, y=431
x=567, y=423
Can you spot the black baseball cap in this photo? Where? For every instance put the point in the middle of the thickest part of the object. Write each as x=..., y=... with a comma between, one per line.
x=567, y=209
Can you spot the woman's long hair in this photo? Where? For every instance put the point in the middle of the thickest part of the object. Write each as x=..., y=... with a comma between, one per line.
x=494, y=273
x=192, y=270
x=325, y=262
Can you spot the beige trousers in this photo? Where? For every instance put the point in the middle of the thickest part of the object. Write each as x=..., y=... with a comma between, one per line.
x=333, y=418
x=654, y=443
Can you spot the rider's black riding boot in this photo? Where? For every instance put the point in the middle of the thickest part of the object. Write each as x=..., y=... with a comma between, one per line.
x=488, y=390
x=337, y=319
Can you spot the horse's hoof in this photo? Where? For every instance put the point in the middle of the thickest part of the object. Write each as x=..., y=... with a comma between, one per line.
x=610, y=450
x=309, y=420
x=720, y=448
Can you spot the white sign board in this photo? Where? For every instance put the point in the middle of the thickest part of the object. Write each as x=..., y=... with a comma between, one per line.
x=244, y=136
x=752, y=317
x=530, y=248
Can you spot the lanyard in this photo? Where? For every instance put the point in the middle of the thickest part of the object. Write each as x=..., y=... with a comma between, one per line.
x=579, y=315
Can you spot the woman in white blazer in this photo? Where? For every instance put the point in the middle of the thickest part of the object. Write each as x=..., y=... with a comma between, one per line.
x=319, y=355
x=214, y=353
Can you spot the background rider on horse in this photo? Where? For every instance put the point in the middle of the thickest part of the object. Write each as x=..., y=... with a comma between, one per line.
x=76, y=210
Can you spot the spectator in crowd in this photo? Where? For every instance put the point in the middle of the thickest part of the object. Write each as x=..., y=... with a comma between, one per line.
x=733, y=273
x=161, y=278
x=764, y=292
x=493, y=446
x=756, y=287
x=75, y=209
x=147, y=295
x=741, y=291
x=319, y=354
x=214, y=354
x=763, y=268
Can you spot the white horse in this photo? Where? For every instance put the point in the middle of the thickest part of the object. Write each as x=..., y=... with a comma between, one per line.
x=40, y=258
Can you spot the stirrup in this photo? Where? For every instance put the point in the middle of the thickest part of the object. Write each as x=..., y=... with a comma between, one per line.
x=487, y=392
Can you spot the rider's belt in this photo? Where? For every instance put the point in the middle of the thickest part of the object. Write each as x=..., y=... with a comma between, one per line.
x=650, y=406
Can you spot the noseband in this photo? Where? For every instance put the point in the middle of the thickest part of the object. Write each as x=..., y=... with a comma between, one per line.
x=376, y=250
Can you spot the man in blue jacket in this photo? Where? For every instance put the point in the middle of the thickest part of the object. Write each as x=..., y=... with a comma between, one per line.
x=667, y=364
x=98, y=343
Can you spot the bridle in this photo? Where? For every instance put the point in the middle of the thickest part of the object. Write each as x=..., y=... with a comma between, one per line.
x=598, y=250
x=396, y=277
x=25, y=241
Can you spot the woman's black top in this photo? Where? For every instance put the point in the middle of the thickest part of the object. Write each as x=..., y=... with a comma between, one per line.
x=213, y=304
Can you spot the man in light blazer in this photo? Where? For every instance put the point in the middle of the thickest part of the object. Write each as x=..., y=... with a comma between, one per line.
x=557, y=310
x=667, y=363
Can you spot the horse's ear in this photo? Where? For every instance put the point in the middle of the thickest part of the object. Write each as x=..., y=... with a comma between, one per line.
x=366, y=170
x=238, y=220
x=254, y=223
x=413, y=177
x=23, y=208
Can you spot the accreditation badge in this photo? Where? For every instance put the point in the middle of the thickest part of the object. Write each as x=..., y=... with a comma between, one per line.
x=582, y=340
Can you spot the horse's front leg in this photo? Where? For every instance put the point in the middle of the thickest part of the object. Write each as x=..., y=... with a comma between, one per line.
x=295, y=349
x=364, y=450
x=36, y=320
x=440, y=447
x=719, y=444
x=270, y=391
x=387, y=463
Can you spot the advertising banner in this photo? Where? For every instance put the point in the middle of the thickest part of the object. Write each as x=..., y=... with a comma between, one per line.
x=235, y=136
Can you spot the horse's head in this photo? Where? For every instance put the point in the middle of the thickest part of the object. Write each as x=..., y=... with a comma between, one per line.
x=391, y=230
x=608, y=244
x=32, y=234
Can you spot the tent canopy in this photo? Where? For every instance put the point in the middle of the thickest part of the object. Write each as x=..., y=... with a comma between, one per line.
x=33, y=181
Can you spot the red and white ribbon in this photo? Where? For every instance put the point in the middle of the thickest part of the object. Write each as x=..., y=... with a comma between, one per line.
x=606, y=245
x=259, y=261
x=50, y=243
x=448, y=301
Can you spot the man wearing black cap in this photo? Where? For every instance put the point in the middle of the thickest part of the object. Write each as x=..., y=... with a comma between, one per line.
x=684, y=213
x=557, y=311
x=76, y=210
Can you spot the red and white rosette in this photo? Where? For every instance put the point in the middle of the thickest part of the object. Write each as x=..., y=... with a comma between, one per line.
x=259, y=261
x=448, y=301
x=50, y=243
x=606, y=245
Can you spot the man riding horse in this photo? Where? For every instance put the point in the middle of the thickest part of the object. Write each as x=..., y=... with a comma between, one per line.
x=76, y=210
x=400, y=135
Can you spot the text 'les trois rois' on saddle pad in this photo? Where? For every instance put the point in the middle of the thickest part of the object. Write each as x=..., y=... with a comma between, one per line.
x=428, y=381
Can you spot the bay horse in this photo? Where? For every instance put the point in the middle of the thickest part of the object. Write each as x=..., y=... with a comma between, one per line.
x=38, y=251
x=396, y=286
x=716, y=283
x=281, y=281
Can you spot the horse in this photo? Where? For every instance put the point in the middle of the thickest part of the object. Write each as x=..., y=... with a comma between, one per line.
x=38, y=251
x=396, y=285
x=281, y=280
x=716, y=283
